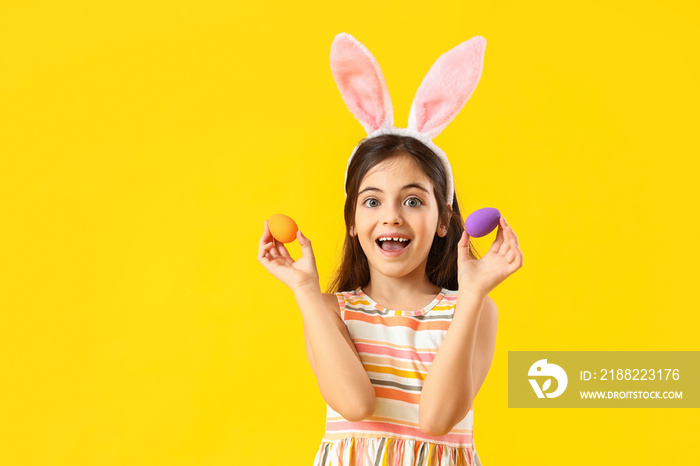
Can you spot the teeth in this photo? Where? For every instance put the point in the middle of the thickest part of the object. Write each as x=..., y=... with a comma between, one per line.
x=386, y=238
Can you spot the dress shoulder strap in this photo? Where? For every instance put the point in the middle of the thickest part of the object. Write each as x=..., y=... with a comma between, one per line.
x=343, y=297
x=341, y=300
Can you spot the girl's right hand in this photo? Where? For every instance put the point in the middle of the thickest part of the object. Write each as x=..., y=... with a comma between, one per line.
x=297, y=275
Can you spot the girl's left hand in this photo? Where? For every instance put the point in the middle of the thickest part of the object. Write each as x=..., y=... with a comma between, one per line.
x=480, y=276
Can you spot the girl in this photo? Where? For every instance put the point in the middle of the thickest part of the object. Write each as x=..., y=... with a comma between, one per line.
x=403, y=341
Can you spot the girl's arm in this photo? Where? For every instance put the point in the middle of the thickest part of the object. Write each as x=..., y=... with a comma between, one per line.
x=342, y=379
x=460, y=365
x=331, y=303
x=463, y=360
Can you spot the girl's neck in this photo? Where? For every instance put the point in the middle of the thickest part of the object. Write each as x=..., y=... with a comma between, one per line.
x=401, y=293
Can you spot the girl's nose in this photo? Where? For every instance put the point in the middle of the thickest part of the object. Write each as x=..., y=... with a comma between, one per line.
x=393, y=216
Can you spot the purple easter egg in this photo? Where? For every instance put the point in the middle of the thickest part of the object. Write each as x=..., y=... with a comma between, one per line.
x=482, y=222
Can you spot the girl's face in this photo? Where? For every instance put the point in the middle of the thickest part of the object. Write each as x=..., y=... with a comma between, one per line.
x=396, y=199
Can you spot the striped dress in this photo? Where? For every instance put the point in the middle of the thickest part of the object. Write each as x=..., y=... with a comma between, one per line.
x=396, y=348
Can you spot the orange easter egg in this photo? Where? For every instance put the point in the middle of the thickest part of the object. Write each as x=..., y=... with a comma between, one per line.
x=283, y=228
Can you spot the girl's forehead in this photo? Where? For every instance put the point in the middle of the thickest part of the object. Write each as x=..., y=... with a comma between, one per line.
x=399, y=169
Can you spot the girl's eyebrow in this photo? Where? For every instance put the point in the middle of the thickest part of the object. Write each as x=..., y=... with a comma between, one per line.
x=412, y=185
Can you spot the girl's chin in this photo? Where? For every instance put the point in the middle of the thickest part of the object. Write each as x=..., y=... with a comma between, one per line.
x=395, y=270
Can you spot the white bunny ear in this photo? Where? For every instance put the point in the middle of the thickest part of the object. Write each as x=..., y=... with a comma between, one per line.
x=361, y=83
x=448, y=85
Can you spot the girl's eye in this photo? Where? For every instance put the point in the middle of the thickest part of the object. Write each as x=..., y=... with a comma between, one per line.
x=370, y=200
x=418, y=201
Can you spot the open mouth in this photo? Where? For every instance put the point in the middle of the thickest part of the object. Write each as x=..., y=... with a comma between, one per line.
x=393, y=245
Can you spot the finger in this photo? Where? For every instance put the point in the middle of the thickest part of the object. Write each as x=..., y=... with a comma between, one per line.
x=511, y=255
x=512, y=232
x=267, y=236
x=282, y=249
x=263, y=255
x=464, y=240
x=519, y=257
x=508, y=238
x=274, y=253
x=264, y=261
x=512, y=267
x=262, y=249
x=267, y=242
x=501, y=244
x=506, y=246
x=512, y=241
x=305, y=243
x=463, y=247
x=517, y=263
x=498, y=242
x=267, y=247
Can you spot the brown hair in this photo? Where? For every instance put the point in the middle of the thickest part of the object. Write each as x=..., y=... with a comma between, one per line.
x=441, y=268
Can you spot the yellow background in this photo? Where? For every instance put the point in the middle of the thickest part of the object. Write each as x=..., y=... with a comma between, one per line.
x=143, y=144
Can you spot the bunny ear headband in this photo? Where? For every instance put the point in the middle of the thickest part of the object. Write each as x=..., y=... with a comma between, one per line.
x=448, y=85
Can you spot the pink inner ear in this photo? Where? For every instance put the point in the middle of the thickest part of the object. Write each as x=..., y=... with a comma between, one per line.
x=360, y=82
x=447, y=87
